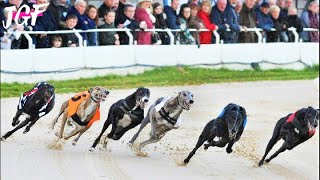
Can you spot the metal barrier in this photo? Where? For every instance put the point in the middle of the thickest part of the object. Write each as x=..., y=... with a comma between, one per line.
x=169, y=31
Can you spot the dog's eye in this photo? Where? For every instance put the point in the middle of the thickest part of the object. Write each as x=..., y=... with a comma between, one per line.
x=184, y=94
x=191, y=95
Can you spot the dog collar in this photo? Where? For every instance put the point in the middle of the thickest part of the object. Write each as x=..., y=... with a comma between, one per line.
x=180, y=104
x=93, y=99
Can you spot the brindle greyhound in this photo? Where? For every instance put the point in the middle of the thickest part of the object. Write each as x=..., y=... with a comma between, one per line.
x=35, y=103
x=84, y=112
x=124, y=115
x=164, y=115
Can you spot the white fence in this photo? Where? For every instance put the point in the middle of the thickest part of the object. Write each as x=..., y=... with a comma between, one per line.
x=62, y=62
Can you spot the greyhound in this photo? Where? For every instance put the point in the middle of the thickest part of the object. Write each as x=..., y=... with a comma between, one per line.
x=84, y=109
x=164, y=115
x=294, y=129
x=34, y=103
x=124, y=115
x=229, y=126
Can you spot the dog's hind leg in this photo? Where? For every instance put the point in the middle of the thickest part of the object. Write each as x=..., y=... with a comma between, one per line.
x=105, y=127
x=62, y=109
x=9, y=133
x=143, y=124
x=280, y=150
x=15, y=120
x=75, y=131
x=271, y=143
x=33, y=121
x=63, y=123
x=201, y=140
x=149, y=141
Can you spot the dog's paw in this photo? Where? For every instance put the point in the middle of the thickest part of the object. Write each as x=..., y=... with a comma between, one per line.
x=260, y=163
x=186, y=161
x=268, y=160
x=206, y=146
x=91, y=149
x=26, y=130
x=2, y=139
x=130, y=144
x=74, y=143
x=14, y=123
x=229, y=150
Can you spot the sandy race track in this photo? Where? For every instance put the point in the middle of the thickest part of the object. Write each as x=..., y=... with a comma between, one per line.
x=28, y=156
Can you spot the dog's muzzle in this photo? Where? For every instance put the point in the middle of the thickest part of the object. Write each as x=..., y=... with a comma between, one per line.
x=143, y=102
x=187, y=104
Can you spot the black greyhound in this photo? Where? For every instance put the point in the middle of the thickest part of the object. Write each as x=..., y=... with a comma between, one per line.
x=35, y=103
x=124, y=115
x=228, y=126
x=294, y=129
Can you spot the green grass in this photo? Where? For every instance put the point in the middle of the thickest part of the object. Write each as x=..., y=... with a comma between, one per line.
x=167, y=76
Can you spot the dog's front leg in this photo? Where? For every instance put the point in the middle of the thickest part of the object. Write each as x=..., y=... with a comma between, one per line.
x=63, y=123
x=74, y=142
x=229, y=147
x=15, y=120
x=22, y=124
x=75, y=131
x=152, y=139
x=33, y=121
x=144, y=122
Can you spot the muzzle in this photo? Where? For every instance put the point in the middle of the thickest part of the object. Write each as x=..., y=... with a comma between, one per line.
x=143, y=102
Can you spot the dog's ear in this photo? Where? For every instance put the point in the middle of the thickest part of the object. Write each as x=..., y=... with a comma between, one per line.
x=90, y=90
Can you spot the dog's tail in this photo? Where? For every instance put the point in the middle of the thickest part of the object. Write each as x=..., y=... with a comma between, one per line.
x=62, y=110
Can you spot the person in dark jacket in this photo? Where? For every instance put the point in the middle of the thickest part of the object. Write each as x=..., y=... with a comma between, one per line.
x=107, y=5
x=226, y=19
x=293, y=21
x=172, y=16
x=248, y=19
x=128, y=22
x=69, y=39
x=160, y=22
x=120, y=12
x=264, y=20
x=110, y=37
x=79, y=9
x=279, y=24
x=46, y=22
x=59, y=9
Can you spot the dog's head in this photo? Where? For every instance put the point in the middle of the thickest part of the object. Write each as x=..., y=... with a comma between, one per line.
x=47, y=90
x=99, y=93
x=312, y=118
x=185, y=99
x=234, y=119
x=142, y=97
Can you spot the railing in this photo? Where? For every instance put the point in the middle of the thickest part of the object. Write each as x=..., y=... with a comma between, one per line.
x=169, y=31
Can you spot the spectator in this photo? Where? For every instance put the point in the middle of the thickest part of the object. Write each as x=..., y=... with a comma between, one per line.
x=203, y=14
x=284, y=10
x=293, y=21
x=160, y=22
x=272, y=2
x=56, y=41
x=279, y=25
x=59, y=9
x=172, y=17
x=195, y=22
x=120, y=12
x=225, y=18
x=143, y=15
x=46, y=22
x=115, y=5
x=107, y=5
x=69, y=39
x=264, y=19
x=257, y=5
x=93, y=21
x=248, y=19
x=310, y=19
x=79, y=9
x=110, y=37
x=195, y=2
x=185, y=36
x=238, y=8
x=281, y=4
x=129, y=22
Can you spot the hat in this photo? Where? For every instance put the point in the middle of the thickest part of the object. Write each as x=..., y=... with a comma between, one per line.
x=265, y=5
x=139, y=1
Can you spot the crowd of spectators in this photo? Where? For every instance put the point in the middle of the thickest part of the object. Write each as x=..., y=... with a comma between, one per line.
x=229, y=18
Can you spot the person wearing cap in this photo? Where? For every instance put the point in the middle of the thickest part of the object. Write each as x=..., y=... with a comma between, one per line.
x=143, y=15
x=264, y=19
